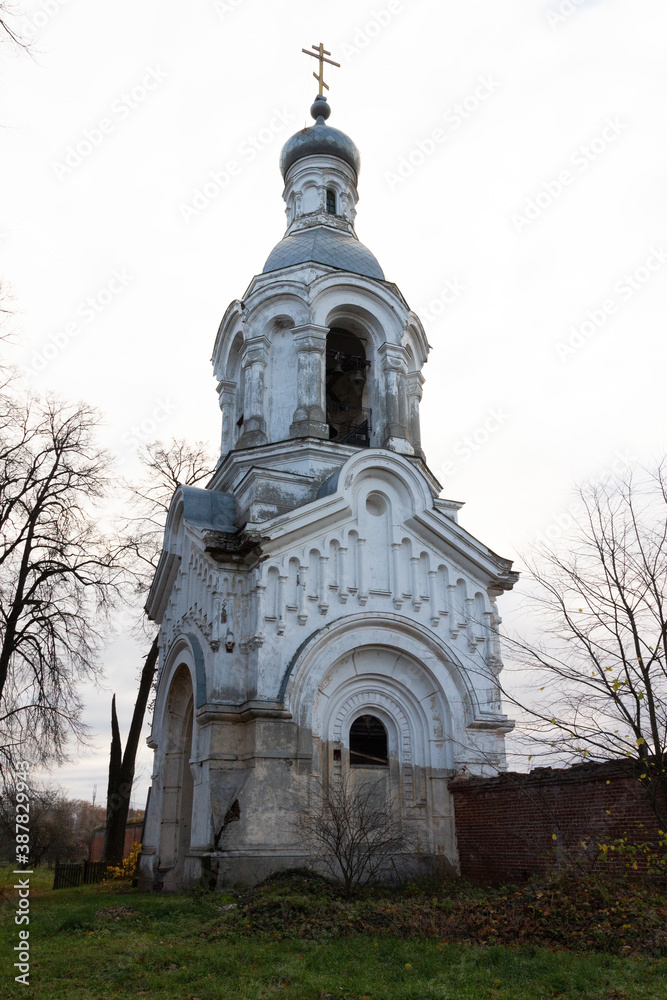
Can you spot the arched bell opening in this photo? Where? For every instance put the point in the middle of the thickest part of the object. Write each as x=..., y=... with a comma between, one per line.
x=347, y=370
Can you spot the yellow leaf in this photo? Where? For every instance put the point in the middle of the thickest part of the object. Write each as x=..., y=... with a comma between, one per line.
x=407, y=965
x=554, y=837
x=640, y=741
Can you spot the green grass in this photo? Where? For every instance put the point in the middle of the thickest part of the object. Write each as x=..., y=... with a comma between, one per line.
x=187, y=947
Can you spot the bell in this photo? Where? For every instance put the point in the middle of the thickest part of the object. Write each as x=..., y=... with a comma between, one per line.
x=338, y=366
x=358, y=380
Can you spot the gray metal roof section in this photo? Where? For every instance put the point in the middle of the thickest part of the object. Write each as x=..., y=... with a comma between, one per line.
x=329, y=486
x=319, y=139
x=209, y=510
x=324, y=246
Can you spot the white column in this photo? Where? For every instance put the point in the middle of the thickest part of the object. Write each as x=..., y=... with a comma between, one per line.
x=413, y=385
x=433, y=595
x=280, y=610
x=453, y=611
x=343, y=592
x=393, y=364
x=302, y=613
x=310, y=418
x=324, y=585
x=414, y=574
x=396, y=570
x=255, y=359
x=362, y=592
x=227, y=399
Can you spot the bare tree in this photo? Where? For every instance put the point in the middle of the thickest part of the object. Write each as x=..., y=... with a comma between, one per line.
x=122, y=764
x=352, y=832
x=60, y=575
x=7, y=29
x=59, y=827
x=166, y=467
x=601, y=601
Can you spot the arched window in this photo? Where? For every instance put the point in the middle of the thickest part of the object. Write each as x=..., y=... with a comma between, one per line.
x=368, y=742
x=331, y=201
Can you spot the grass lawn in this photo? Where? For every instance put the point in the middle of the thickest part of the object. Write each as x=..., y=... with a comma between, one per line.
x=111, y=941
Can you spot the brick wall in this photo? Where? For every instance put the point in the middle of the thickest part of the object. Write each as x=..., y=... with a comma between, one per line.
x=505, y=825
x=132, y=832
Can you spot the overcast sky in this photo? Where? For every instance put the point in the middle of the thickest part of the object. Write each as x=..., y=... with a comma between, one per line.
x=512, y=185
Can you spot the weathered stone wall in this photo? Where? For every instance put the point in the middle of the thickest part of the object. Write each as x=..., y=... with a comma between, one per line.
x=505, y=825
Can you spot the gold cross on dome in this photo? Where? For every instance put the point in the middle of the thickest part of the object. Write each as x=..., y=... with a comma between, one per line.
x=320, y=53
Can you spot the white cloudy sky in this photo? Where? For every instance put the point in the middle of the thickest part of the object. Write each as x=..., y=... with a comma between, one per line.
x=543, y=204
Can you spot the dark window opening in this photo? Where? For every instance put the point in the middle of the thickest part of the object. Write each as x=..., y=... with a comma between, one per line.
x=368, y=742
x=331, y=202
x=348, y=416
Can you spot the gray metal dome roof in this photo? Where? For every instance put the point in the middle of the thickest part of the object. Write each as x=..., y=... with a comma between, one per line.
x=324, y=246
x=319, y=139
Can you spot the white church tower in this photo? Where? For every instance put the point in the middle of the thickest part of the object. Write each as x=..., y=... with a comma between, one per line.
x=321, y=611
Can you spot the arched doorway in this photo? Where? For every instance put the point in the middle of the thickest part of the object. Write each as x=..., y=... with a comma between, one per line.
x=177, y=784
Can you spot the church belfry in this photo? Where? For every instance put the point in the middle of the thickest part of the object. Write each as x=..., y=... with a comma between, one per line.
x=321, y=610
x=322, y=347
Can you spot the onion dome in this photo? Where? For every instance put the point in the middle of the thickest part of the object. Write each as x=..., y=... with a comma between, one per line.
x=318, y=140
x=324, y=246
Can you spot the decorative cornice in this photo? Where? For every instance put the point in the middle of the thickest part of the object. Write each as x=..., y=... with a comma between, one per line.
x=245, y=712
